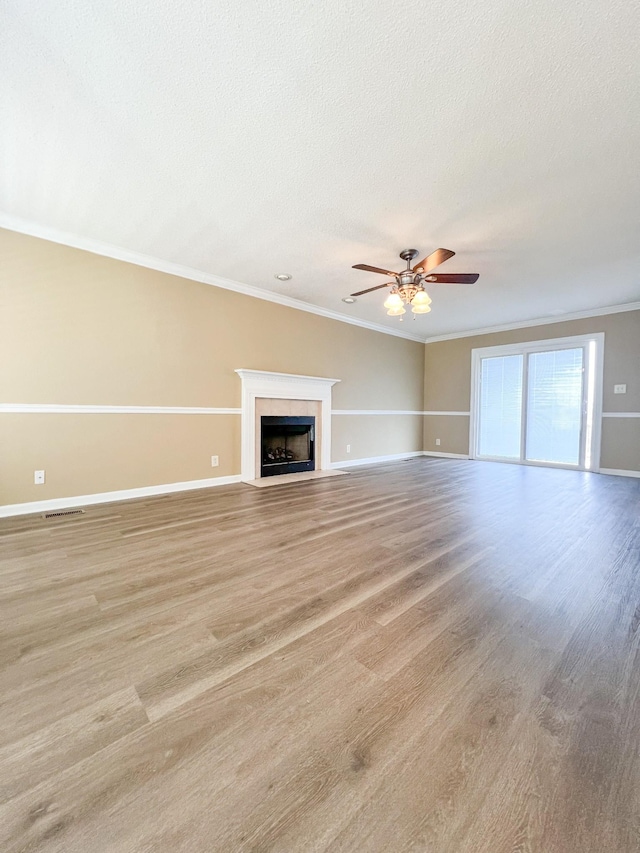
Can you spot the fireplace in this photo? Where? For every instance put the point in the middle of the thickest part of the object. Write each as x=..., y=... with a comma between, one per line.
x=287, y=445
x=266, y=394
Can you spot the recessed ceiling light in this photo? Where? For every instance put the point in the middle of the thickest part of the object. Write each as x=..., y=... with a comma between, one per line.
x=283, y=276
x=349, y=300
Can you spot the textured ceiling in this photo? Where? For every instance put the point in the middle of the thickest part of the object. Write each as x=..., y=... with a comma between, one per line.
x=244, y=139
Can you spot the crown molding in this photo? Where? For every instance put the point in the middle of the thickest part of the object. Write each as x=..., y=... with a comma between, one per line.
x=106, y=250
x=542, y=321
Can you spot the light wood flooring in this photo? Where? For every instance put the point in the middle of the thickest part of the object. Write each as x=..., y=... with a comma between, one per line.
x=430, y=655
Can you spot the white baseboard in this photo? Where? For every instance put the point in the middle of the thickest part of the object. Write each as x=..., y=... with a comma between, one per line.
x=446, y=455
x=108, y=497
x=619, y=472
x=371, y=460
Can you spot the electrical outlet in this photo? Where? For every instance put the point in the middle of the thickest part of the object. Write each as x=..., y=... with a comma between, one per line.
x=214, y=461
x=38, y=478
x=619, y=389
x=348, y=448
x=437, y=442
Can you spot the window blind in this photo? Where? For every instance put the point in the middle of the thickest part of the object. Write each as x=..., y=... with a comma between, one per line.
x=554, y=406
x=501, y=407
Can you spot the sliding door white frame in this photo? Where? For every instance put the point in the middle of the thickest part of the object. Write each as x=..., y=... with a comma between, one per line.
x=593, y=346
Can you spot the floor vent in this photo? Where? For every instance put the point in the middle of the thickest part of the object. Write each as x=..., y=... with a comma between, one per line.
x=64, y=512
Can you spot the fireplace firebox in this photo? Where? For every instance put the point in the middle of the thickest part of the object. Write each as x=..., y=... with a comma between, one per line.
x=287, y=445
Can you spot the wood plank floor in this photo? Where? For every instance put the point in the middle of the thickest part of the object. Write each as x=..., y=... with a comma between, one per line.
x=431, y=655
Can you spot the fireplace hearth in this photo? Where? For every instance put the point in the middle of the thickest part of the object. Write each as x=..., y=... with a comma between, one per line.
x=287, y=445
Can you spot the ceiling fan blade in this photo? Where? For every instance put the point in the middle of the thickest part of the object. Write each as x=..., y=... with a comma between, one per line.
x=378, y=287
x=373, y=269
x=434, y=260
x=453, y=278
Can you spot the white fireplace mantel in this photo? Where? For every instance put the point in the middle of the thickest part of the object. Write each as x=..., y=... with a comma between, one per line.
x=283, y=386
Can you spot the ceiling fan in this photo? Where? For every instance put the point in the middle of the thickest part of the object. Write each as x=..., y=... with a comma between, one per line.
x=408, y=285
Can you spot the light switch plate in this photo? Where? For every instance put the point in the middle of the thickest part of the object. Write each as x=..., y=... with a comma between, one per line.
x=619, y=389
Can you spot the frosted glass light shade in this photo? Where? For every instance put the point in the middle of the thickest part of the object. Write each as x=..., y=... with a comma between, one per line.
x=396, y=311
x=393, y=301
x=421, y=308
x=421, y=298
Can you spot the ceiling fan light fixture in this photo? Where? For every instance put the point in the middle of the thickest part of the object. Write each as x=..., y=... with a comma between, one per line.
x=421, y=298
x=393, y=300
x=408, y=287
x=396, y=311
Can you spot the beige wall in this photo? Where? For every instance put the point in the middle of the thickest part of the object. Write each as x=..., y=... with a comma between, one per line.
x=84, y=454
x=453, y=432
x=367, y=436
x=448, y=383
x=79, y=328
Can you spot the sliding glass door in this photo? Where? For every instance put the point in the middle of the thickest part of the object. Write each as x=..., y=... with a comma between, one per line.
x=535, y=403
x=555, y=408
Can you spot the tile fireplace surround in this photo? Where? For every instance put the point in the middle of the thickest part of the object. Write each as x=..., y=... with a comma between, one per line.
x=285, y=387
